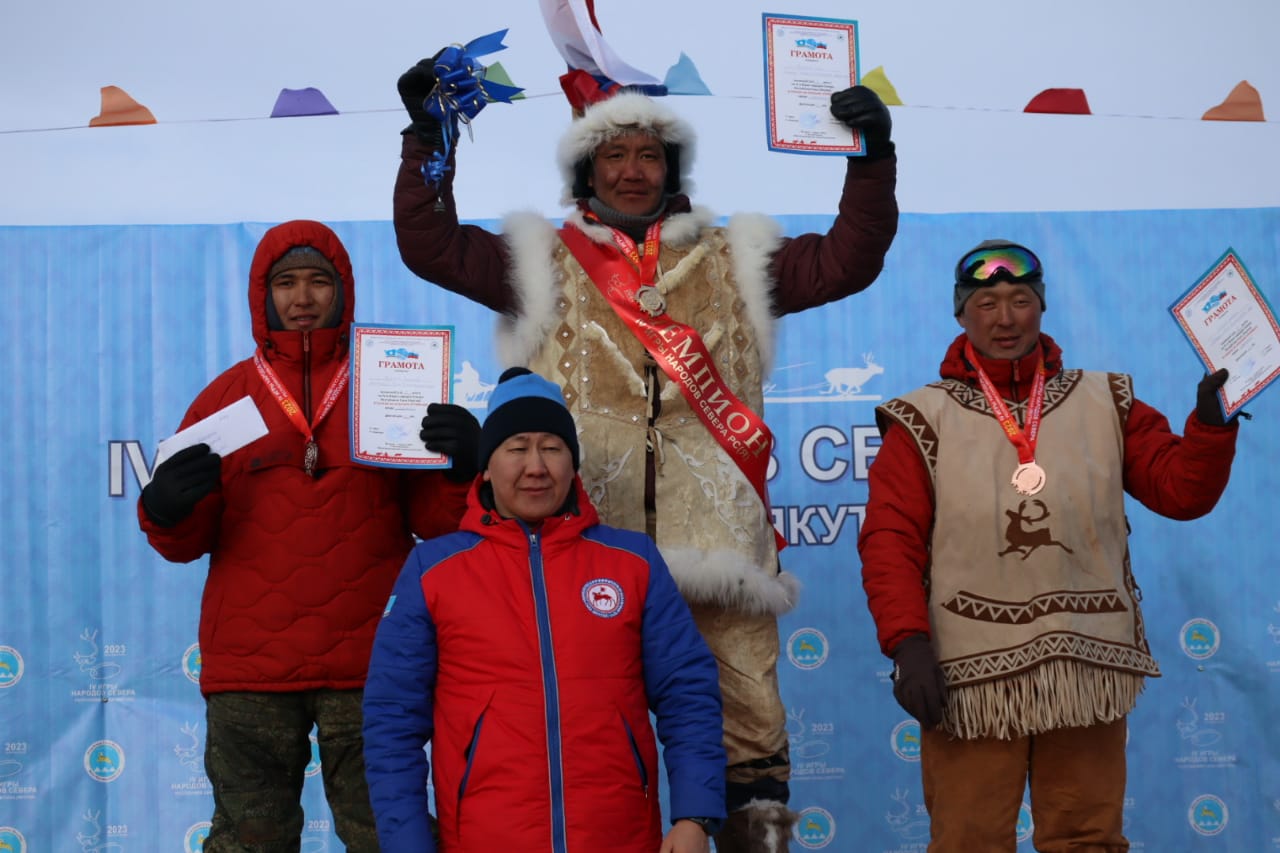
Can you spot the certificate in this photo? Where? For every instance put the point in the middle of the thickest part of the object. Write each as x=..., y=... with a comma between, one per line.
x=805, y=61
x=396, y=372
x=1229, y=324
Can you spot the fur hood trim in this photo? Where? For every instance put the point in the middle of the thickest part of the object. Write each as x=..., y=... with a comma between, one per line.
x=624, y=113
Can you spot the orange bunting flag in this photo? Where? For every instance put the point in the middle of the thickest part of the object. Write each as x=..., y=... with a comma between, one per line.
x=118, y=107
x=1243, y=104
x=1064, y=101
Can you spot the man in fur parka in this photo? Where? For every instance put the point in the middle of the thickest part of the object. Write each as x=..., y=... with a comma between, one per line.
x=659, y=326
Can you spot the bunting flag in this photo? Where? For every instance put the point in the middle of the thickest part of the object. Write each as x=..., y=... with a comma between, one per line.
x=878, y=82
x=1065, y=101
x=1243, y=104
x=302, y=102
x=683, y=78
x=119, y=108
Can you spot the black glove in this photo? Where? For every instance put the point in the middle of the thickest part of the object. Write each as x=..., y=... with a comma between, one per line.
x=860, y=108
x=1208, y=409
x=455, y=432
x=918, y=682
x=179, y=482
x=414, y=85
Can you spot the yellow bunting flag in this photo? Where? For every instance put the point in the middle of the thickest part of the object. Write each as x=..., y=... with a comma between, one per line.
x=878, y=82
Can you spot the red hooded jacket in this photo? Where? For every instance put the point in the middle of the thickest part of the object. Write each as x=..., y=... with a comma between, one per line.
x=300, y=567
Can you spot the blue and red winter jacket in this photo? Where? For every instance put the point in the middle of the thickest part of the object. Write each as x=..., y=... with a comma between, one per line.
x=530, y=659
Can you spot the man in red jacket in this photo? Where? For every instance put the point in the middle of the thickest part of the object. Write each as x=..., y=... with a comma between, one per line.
x=304, y=545
x=996, y=564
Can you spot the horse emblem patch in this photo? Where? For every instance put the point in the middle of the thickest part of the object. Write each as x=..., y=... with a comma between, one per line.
x=603, y=597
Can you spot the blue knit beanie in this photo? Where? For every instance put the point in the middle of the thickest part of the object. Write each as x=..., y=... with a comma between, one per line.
x=525, y=402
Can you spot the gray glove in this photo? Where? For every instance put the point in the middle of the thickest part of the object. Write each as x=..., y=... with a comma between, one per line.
x=860, y=108
x=918, y=682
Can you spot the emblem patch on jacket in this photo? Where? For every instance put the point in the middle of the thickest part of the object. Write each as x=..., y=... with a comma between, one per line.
x=603, y=597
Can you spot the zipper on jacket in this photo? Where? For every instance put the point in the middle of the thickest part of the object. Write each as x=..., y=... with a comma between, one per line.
x=306, y=376
x=550, y=693
x=635, y=754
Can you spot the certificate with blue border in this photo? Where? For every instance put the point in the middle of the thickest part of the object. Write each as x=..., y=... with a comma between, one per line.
x=396, y=372
x=1229, y=323
x=806, y=60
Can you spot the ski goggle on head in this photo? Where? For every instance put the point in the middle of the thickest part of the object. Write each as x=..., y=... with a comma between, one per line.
x=1004, y=262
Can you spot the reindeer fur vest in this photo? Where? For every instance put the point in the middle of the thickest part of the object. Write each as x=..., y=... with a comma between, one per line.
x=711, y=527
x=1033, y=607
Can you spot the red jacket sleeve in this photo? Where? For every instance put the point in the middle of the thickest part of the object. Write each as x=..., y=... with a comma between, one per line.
x=814, y=269
x=434, y=504
x=1177, y=477
x=465, y=259
x=894, y=540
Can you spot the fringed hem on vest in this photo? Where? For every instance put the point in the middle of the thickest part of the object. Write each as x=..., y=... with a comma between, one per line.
x=1055, y=695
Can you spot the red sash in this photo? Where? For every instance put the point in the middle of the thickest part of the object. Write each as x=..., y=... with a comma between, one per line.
x=681, y=353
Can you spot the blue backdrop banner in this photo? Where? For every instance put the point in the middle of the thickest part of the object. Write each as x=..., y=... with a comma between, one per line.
x=110, y=332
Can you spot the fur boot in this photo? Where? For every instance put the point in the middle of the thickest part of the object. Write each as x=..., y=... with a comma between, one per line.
x=762, y=826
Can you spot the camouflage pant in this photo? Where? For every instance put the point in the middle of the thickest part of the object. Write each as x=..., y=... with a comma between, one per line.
x=256, y=755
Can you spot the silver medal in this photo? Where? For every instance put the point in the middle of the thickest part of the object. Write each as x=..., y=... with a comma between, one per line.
x=650, y=300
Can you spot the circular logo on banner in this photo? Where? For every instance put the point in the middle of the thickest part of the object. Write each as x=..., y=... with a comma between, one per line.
x=11, y=666
x=1208, y=815
x=603, y=597
x=1200, y=639
x=807, y=648
x=191, y=663
x=104, y=761
x=193, y=842
x=1025, y=826
x=11, y=839
x=313, y=766
x=905, y=740
x=816, y=828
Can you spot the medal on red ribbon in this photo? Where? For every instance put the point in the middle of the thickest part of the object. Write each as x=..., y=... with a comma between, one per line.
x=627, y=281
x=292, y=411
x=1028, y=478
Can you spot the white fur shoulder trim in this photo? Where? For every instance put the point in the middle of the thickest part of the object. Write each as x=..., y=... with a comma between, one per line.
x=533, y=274
x=753, y=240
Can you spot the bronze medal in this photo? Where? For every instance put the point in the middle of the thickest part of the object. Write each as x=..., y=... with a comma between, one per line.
x=1028, y=479
x=310, y=458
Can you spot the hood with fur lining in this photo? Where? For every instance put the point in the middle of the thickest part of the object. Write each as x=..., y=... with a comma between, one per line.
x=624, y=113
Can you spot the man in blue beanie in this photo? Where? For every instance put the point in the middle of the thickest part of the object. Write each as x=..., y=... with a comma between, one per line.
x=528, y=649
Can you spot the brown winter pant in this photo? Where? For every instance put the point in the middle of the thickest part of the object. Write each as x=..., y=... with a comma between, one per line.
x=746, y=648
x=973, y=790
x=256, y=754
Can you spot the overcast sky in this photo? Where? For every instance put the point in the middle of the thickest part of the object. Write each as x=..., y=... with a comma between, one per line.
x=211, y=72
